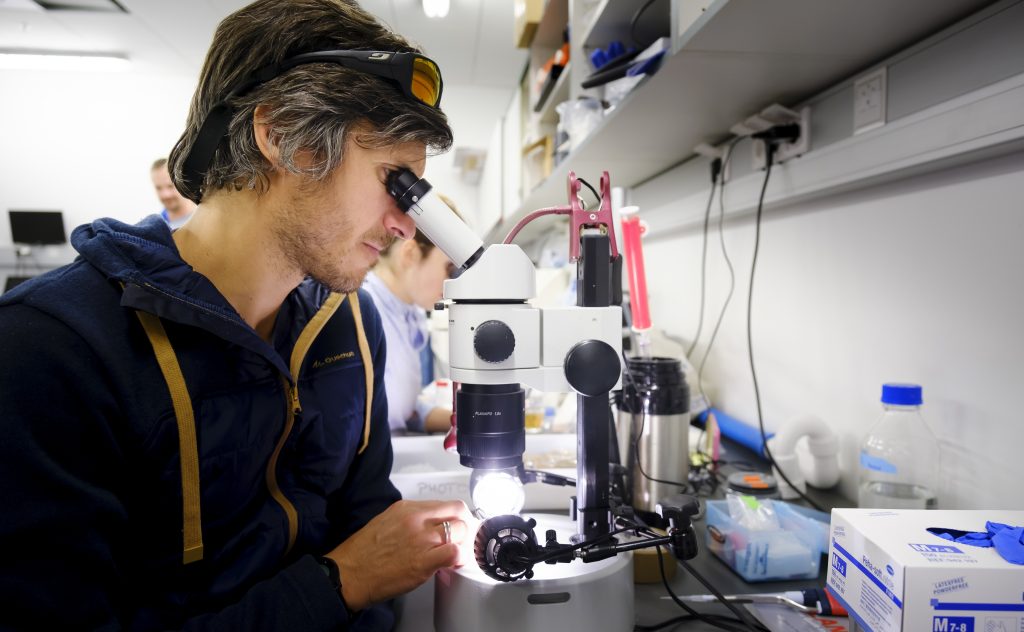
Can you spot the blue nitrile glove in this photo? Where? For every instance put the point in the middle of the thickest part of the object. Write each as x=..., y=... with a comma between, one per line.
x=645, y=66
x=1008, y=541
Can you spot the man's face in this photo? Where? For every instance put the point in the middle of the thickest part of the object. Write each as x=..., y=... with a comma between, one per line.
x=169, y=196
x=334, y=230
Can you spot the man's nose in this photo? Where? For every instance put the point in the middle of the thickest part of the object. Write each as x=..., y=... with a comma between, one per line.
x=399, y=223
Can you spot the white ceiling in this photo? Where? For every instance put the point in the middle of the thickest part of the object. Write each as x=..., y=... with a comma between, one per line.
x=473, y=44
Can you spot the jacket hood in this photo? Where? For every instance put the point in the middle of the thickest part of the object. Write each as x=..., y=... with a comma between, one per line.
x=145, y=254
x=144, y=259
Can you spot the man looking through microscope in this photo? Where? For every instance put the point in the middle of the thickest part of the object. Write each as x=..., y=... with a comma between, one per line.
x=213, y=449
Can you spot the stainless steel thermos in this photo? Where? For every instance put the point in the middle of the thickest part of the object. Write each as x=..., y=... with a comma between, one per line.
x=653, y=429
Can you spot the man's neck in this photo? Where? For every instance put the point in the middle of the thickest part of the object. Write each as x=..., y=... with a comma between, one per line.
x=179, y=213
x=229, y=241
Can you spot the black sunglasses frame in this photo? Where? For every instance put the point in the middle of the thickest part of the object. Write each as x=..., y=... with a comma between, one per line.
x=395, y=67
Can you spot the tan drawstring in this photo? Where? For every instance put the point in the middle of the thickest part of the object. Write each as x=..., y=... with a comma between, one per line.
x=187, y=445
x=189, y=451
x=364, y=351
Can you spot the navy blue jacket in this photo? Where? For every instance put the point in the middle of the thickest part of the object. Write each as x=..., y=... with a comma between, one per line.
x=90, y=478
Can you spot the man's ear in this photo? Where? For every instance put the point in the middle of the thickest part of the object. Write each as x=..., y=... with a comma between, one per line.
x=263, y=135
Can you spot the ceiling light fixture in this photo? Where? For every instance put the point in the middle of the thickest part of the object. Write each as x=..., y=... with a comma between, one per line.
x=62, y=60
x=436, y=8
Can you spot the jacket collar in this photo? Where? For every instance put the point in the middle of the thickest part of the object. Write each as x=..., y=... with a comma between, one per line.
x=144, y=258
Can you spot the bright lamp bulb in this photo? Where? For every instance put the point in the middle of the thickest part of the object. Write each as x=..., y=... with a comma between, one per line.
x=496, y=492
x=436, y=8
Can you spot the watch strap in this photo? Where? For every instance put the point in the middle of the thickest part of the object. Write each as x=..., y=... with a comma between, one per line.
x=330, y=568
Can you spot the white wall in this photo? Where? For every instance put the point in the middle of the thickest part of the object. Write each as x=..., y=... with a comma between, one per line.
x=473, y=113
x=83, y=143
x=917, y=280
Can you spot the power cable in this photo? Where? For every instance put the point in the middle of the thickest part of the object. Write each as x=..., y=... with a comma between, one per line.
x=741, y=617
x=716, y=169
x=728, y=263
x=770, y=154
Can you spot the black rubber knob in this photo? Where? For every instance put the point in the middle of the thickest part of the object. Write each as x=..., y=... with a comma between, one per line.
x=592, y=367
x=494, y=341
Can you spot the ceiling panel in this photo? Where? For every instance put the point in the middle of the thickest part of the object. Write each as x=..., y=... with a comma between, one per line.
x=473, y=44
x=499, y=63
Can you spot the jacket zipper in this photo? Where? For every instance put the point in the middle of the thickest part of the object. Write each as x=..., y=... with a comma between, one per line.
x=293, y=409
x=291, y=392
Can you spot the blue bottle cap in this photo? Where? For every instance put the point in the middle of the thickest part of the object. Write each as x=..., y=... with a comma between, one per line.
x=901, y=394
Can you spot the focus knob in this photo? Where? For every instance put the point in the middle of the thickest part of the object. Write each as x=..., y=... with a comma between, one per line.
x=494, y=341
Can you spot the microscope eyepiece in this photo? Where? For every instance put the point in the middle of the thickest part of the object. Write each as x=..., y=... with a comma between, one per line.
x=406, y=188
x=435, y=219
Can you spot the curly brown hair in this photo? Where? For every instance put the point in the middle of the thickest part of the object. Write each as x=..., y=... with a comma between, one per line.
x=311, y=108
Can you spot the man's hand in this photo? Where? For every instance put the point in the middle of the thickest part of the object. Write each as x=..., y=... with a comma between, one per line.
x=402, y=548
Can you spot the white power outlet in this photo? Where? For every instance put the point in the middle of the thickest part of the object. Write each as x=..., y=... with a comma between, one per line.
x=801, y=145
x=869, y=101
x=785, y=151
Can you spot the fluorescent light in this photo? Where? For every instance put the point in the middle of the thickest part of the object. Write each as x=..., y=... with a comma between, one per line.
x=60, y=60
x=436, y=8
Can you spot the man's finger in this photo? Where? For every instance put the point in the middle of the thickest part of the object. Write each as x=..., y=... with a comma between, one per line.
x=439, y=557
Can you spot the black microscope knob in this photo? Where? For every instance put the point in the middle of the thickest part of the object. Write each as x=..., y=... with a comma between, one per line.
x=494, y=341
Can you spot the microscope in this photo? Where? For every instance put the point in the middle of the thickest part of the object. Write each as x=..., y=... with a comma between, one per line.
x=499, y=343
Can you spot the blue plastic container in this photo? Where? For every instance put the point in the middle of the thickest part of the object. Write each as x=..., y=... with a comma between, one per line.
x=792, y=552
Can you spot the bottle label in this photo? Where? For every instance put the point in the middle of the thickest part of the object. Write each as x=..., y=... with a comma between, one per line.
x=876, y=463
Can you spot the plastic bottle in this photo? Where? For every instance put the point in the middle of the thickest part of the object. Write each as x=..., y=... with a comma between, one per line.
x=899, y=458
x=535, y=411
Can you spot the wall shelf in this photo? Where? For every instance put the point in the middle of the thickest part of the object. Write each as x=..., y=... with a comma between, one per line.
x=559, y=93
x=612, y=20
x=737, y=58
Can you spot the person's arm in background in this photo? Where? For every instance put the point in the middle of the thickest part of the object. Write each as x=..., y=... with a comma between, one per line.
x=429, y=418
x=62, y=519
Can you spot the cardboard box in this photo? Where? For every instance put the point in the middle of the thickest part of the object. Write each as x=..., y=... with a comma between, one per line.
x=526, y=16
x=892, y=574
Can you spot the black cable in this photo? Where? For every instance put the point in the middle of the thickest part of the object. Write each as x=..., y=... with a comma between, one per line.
x=770, y=154
x=581, y=545
x=654, y=627
x=633, y=22
x=739, y=611
x=702, y=617
x=636, y=442
x=592, y=190
x=715, y=171
x=682, y=619
x=728, y=263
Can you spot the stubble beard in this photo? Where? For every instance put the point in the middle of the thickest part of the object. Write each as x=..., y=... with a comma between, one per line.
x=314, y=255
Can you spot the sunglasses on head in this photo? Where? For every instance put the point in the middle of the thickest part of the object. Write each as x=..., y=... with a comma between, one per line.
x=418, y=77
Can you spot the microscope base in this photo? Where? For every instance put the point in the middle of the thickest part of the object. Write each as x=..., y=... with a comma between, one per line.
x=564, y=597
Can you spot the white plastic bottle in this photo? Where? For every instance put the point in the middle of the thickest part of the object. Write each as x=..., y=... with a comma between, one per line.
x=899, y=459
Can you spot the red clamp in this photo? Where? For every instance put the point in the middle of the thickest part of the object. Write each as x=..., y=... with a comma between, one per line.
x=600, y=218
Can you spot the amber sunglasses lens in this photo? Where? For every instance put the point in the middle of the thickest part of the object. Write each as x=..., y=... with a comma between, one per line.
x=426, y=81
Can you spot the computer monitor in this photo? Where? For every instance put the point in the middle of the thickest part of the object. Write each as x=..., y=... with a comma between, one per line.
x=37, y=228
x=14, y=281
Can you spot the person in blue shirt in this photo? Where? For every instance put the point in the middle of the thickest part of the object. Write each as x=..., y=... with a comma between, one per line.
x=407, y=281
x=177, y=208
x=194, y=423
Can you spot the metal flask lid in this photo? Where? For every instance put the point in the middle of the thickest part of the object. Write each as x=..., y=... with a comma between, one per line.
x=654, y=386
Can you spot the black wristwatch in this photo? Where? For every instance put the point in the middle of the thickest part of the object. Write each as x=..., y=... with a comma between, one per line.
x=330, y=568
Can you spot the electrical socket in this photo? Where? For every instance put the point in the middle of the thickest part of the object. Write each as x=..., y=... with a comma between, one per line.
x=869, y=101
x=800, y=146
x=785, y=151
